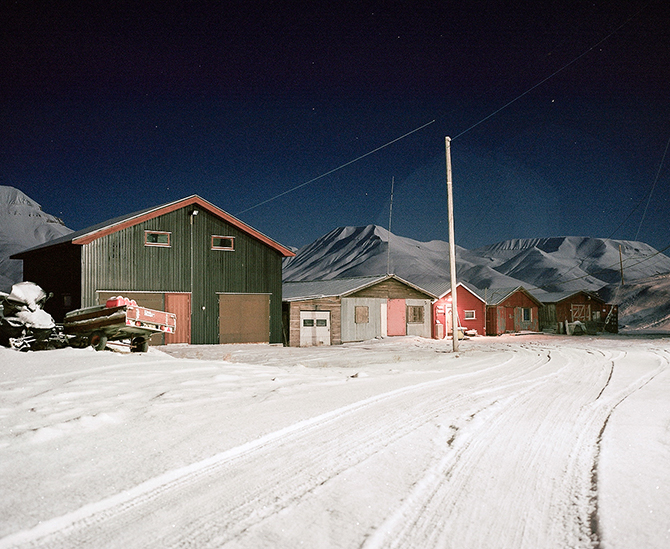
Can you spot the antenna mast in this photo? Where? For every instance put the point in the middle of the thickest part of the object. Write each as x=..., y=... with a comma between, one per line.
x=388, y=246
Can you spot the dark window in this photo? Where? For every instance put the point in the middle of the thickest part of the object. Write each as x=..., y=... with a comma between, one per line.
x=414, y=314
x=308, y=322
x=321, y=322
x=469, y=315
x=157, y=238
x=223, y=243
x=362, y=314
x=527, y=316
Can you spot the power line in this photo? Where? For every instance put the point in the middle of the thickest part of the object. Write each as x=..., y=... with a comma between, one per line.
x=551, y=75
x=658, y=173
x=338, y=168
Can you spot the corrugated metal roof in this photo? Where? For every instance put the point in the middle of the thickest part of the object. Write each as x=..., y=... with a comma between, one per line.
x=495, y=296
x=89, y=234
x=337, y=287
x=556, y=297
x=311, y=289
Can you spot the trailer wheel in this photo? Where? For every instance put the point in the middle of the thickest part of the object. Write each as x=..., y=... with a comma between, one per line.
x=139, y=345
x=98, y=341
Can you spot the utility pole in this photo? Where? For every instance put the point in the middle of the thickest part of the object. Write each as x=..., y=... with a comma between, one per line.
x=452, y=247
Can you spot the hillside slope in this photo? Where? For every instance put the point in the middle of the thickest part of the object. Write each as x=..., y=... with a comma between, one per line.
x=364, y=251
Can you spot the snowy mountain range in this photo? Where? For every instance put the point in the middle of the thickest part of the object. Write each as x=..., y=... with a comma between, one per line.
x=23, y=225
x=540, y=265
x=549, y=264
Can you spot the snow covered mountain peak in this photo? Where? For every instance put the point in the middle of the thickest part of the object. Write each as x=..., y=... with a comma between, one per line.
x=23, y=225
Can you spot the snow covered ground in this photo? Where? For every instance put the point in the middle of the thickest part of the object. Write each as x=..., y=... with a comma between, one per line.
x=518, y=441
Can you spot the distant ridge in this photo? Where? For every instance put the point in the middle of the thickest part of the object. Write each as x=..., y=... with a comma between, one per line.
x=23, y=225
x=550, y=264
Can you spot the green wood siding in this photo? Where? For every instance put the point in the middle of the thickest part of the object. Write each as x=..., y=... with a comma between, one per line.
x=121, y=261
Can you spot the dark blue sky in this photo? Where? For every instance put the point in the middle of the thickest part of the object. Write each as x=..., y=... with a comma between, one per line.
x=107, y=109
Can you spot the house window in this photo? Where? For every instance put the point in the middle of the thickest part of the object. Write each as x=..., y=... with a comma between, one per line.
x=527, y=316
x=414, y=314
x=362, y=314
x=157, y=238
x=321, y=322
x=309, y=322
x=223, y=243
x=469, y=315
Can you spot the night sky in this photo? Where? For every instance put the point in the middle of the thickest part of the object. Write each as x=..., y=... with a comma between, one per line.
x=111, y=107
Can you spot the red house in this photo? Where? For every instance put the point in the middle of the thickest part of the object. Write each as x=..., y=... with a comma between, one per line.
x=471, y=311
x=511, y=310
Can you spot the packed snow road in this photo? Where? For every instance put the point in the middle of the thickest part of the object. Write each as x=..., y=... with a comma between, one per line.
x=528, y=442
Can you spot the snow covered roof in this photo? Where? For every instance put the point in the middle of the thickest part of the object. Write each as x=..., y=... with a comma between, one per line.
x=85, y=236
x=337, y=287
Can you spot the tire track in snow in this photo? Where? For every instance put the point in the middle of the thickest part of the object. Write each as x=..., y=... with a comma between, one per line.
x=594, y=519
x=109, y=518
x=441, y=510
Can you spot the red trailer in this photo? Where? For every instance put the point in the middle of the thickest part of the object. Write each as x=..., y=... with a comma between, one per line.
x=119, y=319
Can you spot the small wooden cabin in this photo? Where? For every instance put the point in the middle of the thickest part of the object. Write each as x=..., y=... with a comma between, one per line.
x=221, y=277
x=510, y=310
x=572, y=306
x=471, y=310
x=341, y=310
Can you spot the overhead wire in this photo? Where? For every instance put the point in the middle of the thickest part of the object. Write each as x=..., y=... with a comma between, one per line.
x=338, y=168
x=658, y=173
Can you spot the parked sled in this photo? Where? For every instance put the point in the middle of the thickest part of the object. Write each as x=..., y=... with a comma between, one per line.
x=119, y=319
x=24, y=324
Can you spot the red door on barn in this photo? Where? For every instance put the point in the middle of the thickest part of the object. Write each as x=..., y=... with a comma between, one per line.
x=397, y=317
x=179, y=304
x=510, y=325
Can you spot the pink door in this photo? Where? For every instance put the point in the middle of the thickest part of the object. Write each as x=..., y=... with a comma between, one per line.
x=397, y=319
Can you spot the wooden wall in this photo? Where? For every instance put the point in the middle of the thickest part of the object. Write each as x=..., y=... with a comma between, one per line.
x=331, y=304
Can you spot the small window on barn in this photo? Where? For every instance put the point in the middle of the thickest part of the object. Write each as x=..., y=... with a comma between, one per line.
x=321, y=322
x=157, y=238
x=223, y=243
x=309, y=322
x=362, y=314
x=527, y=314
x=414, y=314
x=469, y=315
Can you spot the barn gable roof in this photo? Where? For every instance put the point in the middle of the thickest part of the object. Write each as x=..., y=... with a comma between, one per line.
x=85, y=236
x=337, y=287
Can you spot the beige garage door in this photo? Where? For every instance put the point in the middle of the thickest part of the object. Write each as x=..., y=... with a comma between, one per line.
x=244, y=318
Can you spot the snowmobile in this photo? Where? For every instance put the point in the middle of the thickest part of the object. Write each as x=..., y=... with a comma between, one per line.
x=24, y=324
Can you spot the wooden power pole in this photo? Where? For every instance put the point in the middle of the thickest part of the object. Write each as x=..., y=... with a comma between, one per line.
x=452, y=248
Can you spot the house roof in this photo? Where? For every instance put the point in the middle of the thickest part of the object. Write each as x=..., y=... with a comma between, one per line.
x=85, y=236
x=496, y=296
x=337, y=287
x=557, y=297
x=444, y=288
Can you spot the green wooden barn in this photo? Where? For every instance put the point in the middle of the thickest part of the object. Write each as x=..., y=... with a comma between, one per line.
x=220, y=276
